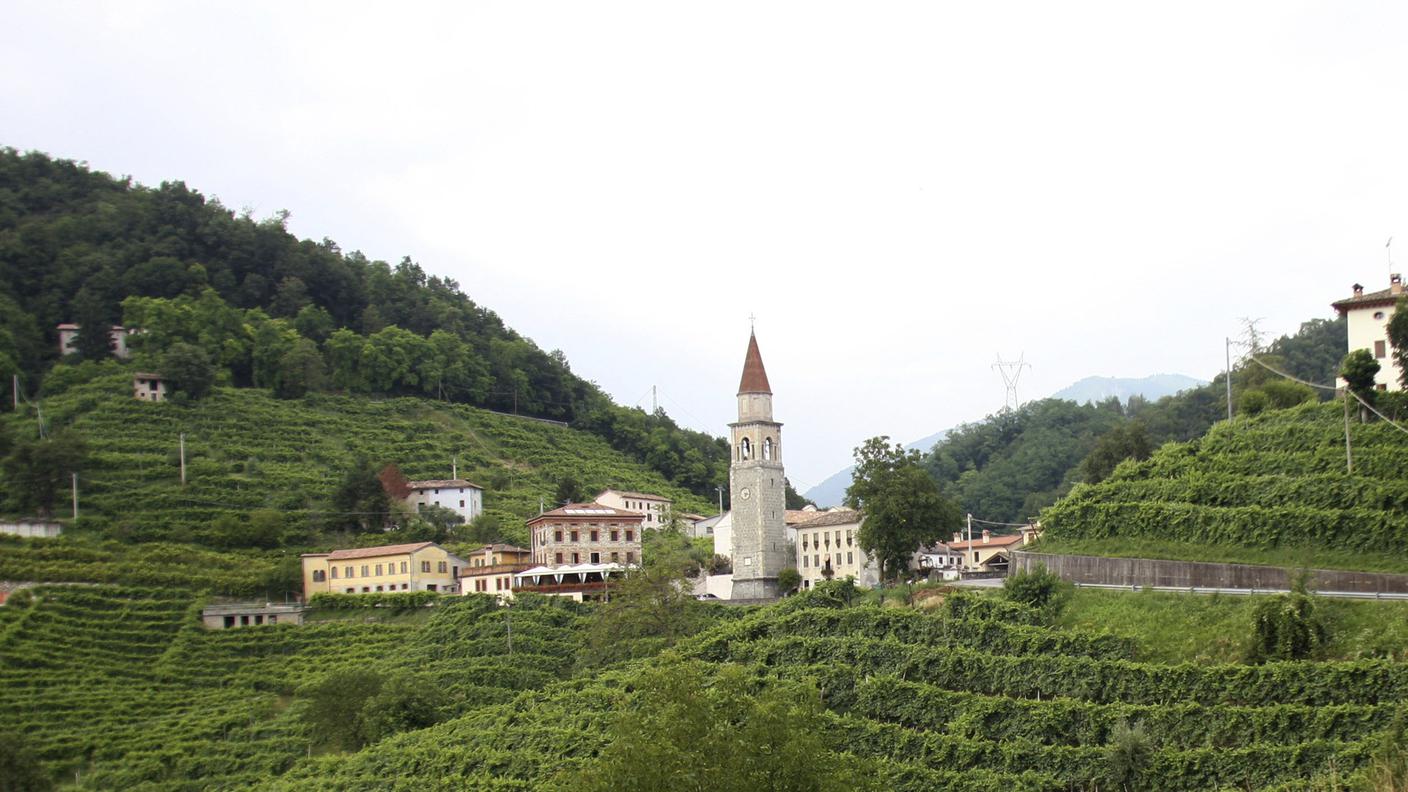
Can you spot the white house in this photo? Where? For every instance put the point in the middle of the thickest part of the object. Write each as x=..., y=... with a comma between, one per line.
x=147, y=386
x=938, y=560
x=464, y=498
x=117, y=339
x=1367, y=315
x=655, y=508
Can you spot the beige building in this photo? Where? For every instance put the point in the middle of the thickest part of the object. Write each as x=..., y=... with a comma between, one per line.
x=491, y=569
x=990, y=553
x=827, y=549
x=148, y=387
x=586, y=533
x=1367, y=315
x=117, y=339
x=655, y=508
x=422, y=566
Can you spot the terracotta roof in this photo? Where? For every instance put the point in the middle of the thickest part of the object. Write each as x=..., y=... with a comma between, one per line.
x=587, y=511
x=755, y=377
x=838, y=517
x=799, y=516
x=384, y=550
x=442, y=484
x=1366, y=300
x=640, y=495
x=146, y=375
x=996, y=541
x=503, y=548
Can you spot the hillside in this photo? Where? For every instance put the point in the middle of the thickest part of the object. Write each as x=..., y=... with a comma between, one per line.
x=247, y=451
x=120, y=688
x=1270, y=488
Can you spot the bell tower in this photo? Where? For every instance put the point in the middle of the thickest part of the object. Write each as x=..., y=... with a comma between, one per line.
x=756, y=488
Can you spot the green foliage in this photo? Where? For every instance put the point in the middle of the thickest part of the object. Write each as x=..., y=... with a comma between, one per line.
x=1039, y=588
x=1254, y=401
x=1358, y=370
x=1397, y=330
x=187, y=370
x=360, y=502
x=568, y=491
x=404, y=702
x=1284, y=394
x=38, y=471
x=648, y=609
x=902, y=505
x=1286, y=627
x=399, y=600
x=1127, y=756
x=20, y=770
x=792, y=499
x=337, y=709
x=1129, y=440
x=788, y=580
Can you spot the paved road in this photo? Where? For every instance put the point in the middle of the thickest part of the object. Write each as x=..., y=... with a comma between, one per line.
x=997, y=583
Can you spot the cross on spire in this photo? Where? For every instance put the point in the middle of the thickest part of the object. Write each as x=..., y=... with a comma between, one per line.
x=752, y=322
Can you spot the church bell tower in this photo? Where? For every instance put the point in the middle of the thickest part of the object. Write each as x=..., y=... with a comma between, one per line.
x=756, y=488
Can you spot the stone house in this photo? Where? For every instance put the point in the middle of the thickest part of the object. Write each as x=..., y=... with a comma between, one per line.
x=586, y=533
x=147, y=386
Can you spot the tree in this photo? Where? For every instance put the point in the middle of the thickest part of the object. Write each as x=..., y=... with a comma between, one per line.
x=1129, y=440
x=484, y=529
x=344, y=351
x=1359, y=369
x=94, y=341
x=335, y=714
x=300, y=370
x=360, y=501
x=38, y=471
x=1128, y=754
x=20, y=769
x=568, y=491
x=792, y=498
x=1040, y=588
x=403, y=703
x=187, y=370
x=1284, y=394
x=1253, y=402
x=687, y=728
x=788, y=580
x=1286, y=627
x=1398, y=338
x=902, y=505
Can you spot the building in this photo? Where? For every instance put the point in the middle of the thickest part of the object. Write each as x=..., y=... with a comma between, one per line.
x=117, y=339
x=586, y=533
x=755, y=481
x=464, y=498
x=33, y=529
x=422, y=566
x=827, y=549
x=1367, y=318
x=250, y=614
x=990, y=553
x=147, y=386
x=655, y=508
x=491, y=568
x=938, y=561
x=575, y=581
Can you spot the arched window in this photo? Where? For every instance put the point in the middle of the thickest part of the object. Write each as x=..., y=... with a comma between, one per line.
x=767, y=448
x=745, y=450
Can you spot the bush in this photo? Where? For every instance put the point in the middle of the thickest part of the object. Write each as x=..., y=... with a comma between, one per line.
x=20, y=770
x=1286, y=628
x=397, y=600
x=1040, y=588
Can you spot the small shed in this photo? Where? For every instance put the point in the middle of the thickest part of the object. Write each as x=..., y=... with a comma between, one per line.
x=147, y=386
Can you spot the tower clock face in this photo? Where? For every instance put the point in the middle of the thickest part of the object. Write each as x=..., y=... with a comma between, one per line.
x=744, y=494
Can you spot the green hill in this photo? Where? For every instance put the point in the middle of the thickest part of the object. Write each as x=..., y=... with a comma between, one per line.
x=1271, y=488
x=247, y=451
x=120, y=688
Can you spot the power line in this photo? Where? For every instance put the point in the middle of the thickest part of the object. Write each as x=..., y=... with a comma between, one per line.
x=1333, y=388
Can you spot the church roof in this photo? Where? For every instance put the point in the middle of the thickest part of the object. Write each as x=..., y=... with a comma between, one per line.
x=755, y=377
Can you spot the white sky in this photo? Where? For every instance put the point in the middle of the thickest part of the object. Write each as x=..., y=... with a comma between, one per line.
x=900, y=192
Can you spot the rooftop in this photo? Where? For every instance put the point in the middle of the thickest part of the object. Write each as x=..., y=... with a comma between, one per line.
x=587, y=511
x=503, y=548
x=371, y=552
x=834, y=517
x=994, y=541
x=442, y=484
x=1363, y=299
x=755, y=377
x=637, y=495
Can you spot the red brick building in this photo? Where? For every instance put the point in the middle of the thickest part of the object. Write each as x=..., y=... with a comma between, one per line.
x=586, y=533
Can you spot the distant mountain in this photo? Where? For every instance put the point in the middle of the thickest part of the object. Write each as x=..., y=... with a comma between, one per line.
x=1091, y=389
x=1153, y=387
x=833, y=490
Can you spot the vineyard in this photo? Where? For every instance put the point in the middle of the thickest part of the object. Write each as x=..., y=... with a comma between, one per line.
x=246, y=451
x=121, y=688
x=1265, y=488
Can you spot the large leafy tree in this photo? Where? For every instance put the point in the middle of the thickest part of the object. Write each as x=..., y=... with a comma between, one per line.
x=1129, y=440
x=37, y=472
x=188, y=370
x=1398, y=338
x=902, y=505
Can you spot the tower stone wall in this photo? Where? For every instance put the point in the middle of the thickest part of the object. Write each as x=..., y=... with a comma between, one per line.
x=756, y=487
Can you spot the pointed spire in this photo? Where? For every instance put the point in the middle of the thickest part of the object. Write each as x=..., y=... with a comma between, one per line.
x=755, y=377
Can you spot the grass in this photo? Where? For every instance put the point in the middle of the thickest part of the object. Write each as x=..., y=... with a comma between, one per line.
x=1174, y=628
x=1287, y=557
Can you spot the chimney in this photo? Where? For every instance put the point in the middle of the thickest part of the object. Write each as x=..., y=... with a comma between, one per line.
x=986, y=535
x=1358, y=290
x=1395, y=284
x=957, y=537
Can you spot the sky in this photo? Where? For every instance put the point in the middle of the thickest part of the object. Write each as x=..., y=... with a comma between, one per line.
x=898, y=192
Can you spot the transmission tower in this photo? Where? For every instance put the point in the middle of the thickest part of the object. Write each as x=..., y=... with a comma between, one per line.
x=1011, y=371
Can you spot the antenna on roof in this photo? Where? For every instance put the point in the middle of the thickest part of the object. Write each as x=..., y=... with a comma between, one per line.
x=1388, y=251
x=1011, y=371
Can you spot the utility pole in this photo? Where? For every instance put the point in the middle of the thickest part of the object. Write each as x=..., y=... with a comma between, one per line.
x=509, y=621
x=15, y=382
x=75, y=495
x=1011, y=371
x=654, y=402
x=1227, y=374
x=721, y=499
x=1348, y=454
x=454, y=467
x=183, y=459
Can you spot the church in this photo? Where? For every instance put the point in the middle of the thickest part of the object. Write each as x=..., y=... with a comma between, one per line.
x=754, y=532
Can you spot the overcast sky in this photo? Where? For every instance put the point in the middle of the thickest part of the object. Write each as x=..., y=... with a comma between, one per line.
x=899, y=192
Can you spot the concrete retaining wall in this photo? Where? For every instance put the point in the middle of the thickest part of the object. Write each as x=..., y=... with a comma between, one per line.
x=1189, y=574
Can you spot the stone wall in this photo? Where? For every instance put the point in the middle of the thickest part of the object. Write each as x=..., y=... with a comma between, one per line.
x=1197, y=574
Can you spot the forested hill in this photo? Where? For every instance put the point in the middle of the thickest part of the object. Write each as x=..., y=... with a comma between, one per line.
x=268, y=310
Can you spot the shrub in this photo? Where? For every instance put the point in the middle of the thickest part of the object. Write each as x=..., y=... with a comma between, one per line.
x=1286, y=628
x=1040, y=588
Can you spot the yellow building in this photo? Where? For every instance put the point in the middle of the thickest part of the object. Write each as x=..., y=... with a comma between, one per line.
x=990, y=553
x=422, y=566
x=491, y=569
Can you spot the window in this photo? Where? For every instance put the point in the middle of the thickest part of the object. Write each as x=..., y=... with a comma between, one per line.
x=557, y=558
x=767, y=448
x=442, y=567
x=351, y=590
x=594, y=536
x=347, y=572
x=816, y=560
x=365, y=589
x=630, y=536
x=364, y=570
x=334, y=572
x=630, y=557
x=430, y=587
x=425, y=566
x=975, y=556
x=596, y=558
x=745, y=450
x=838, y=559
x=498, y=584
x=378, y=571
x=403, y=567
x=574, y=536
x=1378, y=314
x=404, y=586
x=319, y=576
x=557, y=536
x=1379, y=350
x=461, y=504
x=615, y=556
x=804, y=562
x=576, y=558
x=850, y=538
x=850, y=558
x=615, y=536
x=378, y=588
x=1381, y=387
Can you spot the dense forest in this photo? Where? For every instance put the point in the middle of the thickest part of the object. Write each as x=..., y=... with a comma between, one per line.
x=1012, y=464
x=224, y=296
